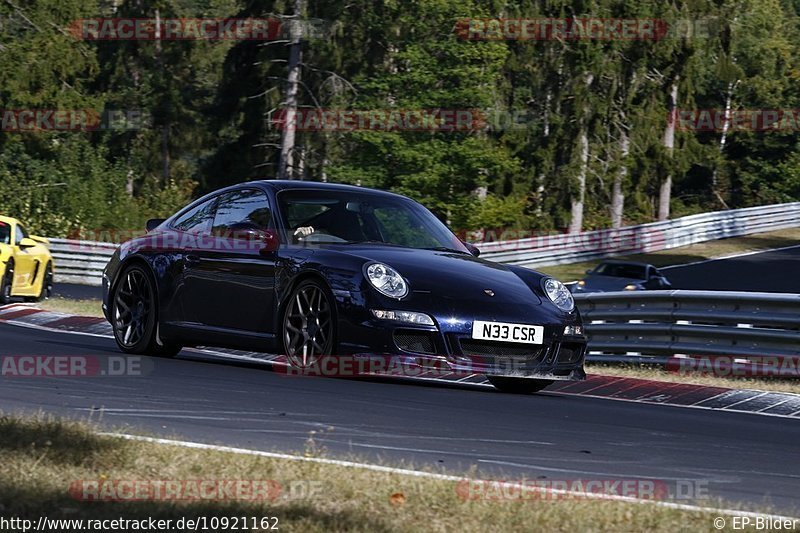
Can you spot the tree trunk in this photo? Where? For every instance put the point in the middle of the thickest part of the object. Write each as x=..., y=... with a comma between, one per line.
x=665, y=194
x=545, y=134
x=576, y=215
x=617, y=194
x=286, y=168
x=576, y=218
x=165, y=159
x=722, y=141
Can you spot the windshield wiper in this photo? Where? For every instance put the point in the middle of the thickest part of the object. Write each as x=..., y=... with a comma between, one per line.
x=375, y=242
x=445, y=249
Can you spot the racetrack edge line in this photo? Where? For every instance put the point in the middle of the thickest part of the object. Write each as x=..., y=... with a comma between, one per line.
x=442, y=477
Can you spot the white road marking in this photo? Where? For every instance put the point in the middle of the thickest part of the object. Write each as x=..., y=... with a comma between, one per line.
x=442, y=477
x=596, y=473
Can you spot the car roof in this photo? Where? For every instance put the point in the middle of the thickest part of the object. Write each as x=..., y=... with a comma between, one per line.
x=8, y=220
x=280, y=185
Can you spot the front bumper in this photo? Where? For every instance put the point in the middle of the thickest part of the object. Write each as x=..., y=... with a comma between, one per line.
x=448, y=348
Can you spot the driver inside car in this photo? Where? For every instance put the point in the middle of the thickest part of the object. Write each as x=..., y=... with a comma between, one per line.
x=338, y=222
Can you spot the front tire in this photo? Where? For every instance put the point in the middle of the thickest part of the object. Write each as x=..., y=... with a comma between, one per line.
x=6, y=283
x=518, y=385
x=134, y=309
x=308, y=324
x=47, y=284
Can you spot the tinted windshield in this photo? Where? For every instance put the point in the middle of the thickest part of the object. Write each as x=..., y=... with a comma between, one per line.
x=351, y=217
x=621, y=271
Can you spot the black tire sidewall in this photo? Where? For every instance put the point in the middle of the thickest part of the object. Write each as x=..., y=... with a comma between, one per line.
x=331, y=303
x=6, y=283
x=48, y=274
x=148, y=341
x=518, y=385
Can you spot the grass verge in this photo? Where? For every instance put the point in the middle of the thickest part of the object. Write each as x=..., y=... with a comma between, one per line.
x=44, y=457
x=73, y=307
x=659, y=374
x=688, y=254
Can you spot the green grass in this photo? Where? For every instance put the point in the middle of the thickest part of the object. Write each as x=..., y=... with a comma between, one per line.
x=73, y=307
x=687, y=254
x=42, y=457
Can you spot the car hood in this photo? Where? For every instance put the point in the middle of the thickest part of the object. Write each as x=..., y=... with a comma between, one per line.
x=452, y=275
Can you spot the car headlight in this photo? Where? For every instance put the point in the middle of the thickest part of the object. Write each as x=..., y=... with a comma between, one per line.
x=386, y=280
x=558, y=294
x=631, y=287
x=411, y=317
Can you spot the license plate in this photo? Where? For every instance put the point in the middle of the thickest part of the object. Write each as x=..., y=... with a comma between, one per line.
x=507, y=332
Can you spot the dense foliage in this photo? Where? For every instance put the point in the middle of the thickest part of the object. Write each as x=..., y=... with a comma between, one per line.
x=576, y=129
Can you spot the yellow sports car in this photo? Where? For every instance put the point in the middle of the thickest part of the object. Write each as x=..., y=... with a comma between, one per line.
x=26, y=266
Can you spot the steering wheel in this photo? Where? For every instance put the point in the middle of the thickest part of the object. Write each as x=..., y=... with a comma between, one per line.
x=320, y=238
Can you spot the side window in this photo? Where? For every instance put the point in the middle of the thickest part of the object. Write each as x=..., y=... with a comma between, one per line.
x=5, y=233
x=21, y=234
x=241, y=210
x=197, y=220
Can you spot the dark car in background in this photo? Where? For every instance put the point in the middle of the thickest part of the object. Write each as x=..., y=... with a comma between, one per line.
x=314, y=270
x=611, y=276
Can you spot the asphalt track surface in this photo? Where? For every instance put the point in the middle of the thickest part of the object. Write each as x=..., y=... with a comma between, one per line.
x=742, y=458
x=74, y=291
x=769, y=271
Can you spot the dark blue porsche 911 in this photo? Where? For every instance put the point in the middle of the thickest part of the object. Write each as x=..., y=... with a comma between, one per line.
x=316, y=270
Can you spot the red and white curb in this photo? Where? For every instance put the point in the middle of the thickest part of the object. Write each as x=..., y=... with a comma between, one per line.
x=765, y=403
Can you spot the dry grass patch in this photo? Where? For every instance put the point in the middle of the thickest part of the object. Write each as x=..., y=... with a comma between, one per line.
x=659, y=374
x=73, y=307
x=42, y=457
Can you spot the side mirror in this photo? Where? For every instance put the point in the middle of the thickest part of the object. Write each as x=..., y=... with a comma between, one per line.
x=27, y=243
x=473, y=249
x=153, y=223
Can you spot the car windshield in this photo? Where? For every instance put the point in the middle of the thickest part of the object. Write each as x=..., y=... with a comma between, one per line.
x=621, y=271
x=319, y=216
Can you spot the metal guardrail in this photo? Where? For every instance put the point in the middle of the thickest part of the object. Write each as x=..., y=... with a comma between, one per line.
x=83, y=261
x=648, y=325
x=592, y=245
x=80, y=261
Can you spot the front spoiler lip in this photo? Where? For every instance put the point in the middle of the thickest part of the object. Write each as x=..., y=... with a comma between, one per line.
x=419, y=365
x=576, y=372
